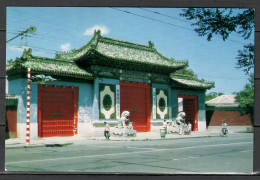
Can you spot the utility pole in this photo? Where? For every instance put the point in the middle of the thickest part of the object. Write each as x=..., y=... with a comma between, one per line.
x=31, y=30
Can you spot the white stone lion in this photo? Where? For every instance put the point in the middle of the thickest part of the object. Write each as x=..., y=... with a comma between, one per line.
x=179, y=125
x=181, y=118
x=124, y=118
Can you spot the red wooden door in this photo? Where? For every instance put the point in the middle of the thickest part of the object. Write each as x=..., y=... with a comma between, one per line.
x=135, y=98
x=190, y=107
x=57, y=111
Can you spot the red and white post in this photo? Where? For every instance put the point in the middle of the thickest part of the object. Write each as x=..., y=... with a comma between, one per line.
x=28, y=108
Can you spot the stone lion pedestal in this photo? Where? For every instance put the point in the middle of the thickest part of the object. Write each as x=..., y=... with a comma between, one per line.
x=122, y=129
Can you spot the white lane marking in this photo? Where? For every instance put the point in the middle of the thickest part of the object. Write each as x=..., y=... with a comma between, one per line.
x=225, y=139
x=184, y=158
x=192, y=157
x=139, y=148
x=116, y=154
x=246, y=150
x=106, y=146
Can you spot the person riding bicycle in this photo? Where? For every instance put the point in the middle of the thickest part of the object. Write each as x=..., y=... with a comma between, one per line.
x=224, y=128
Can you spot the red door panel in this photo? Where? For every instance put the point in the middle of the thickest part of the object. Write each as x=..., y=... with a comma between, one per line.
x=190, y=107
x=135, y=98
x=57, y=110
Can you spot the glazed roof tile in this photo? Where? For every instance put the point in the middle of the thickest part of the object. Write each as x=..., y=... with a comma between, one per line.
x=49, y=66
x=123, y=51
x=190, y=82
x=11, y=100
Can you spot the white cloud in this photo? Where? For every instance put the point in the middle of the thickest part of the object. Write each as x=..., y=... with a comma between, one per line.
x=65, y=47
x=90, y=31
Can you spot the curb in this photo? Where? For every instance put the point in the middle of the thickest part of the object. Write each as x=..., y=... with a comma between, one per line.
x=130, y=139
x=148, y=139
x=38, y=145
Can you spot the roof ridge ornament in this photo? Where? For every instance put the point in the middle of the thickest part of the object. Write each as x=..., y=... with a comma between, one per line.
x=27, y=53
x=97, y=31
x=151, y=44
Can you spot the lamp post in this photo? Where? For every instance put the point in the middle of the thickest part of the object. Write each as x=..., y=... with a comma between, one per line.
x=31, y=30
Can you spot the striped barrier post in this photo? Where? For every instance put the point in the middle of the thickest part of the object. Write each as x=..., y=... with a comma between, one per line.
x=28, y=108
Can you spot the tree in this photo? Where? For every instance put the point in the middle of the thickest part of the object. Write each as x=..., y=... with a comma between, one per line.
x=212, y=95
x=245, y=98
x=186, y=71
x=222, y=22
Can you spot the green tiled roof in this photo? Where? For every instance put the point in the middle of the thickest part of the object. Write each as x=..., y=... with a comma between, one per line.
x=185, y=81
x=122, y=54
x=47, y=66
x=106, y=52
x=10, y=100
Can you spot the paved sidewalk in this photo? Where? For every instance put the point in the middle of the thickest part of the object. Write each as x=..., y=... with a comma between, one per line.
x=63, y=141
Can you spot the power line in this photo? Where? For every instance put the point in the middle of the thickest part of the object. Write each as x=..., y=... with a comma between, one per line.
x=167, y=23
x=35, y=47
x=180, y=19
x=46, y=21
x=156, y=12
x=74, y=28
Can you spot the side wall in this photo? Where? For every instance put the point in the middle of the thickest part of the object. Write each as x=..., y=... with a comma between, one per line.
x=232, y=118
x=235, y=122
x=201, y=105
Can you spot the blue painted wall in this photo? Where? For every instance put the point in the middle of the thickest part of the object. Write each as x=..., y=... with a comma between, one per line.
x=19, y=88
x=201, y=102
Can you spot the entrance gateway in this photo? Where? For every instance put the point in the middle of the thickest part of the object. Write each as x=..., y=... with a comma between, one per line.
x=57, y=110
x=135, y=98
x=190, y=107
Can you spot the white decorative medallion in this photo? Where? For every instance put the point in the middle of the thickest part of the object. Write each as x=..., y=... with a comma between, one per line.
x=161, y=97
x=107, y=93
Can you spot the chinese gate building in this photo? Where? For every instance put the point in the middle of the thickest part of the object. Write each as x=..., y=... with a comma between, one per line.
x=100, y=80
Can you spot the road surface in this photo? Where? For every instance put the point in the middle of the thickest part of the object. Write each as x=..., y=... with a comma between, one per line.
x=232, y=154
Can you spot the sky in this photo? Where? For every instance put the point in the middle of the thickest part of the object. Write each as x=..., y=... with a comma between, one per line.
x=67, y=28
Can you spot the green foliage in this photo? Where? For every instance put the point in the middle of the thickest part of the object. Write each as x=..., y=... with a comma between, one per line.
x=186, y=71
x=212, y=95
x=245, y=58
x=245, y=98
x=10, y=61
x=222, y=22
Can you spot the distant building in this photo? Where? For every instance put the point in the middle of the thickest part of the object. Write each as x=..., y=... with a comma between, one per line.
x=224, y=108
x=100, y=80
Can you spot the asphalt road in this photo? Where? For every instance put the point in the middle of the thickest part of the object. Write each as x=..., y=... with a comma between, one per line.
x=232, y=154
